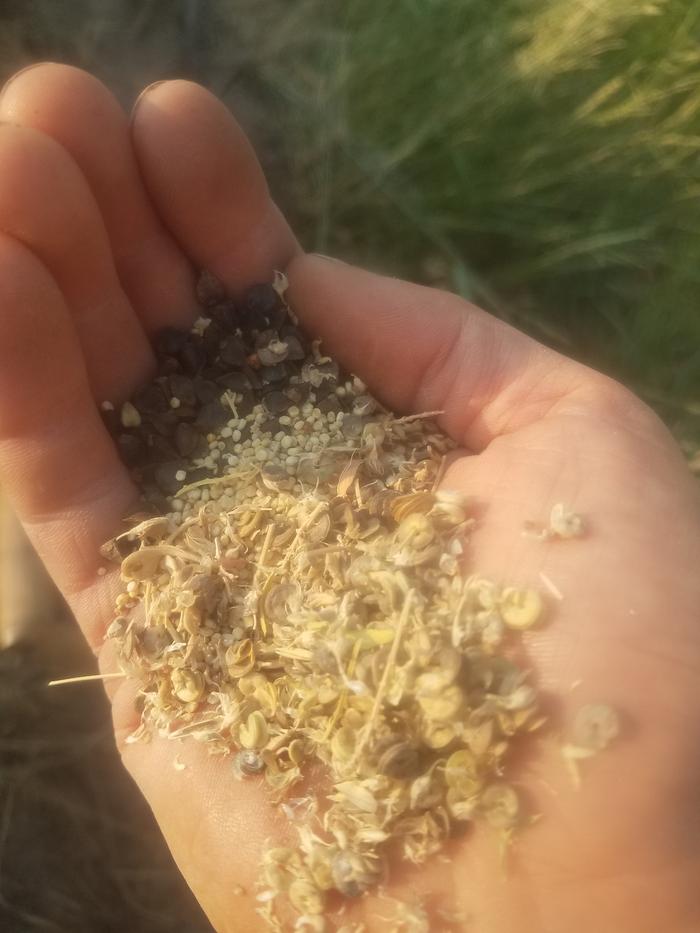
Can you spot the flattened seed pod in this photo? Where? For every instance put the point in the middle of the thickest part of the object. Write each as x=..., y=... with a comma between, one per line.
x=352, y=873
x=248, y=763
x=188, y=686
x=595, y=726
x=500, y=806
x=520, y=609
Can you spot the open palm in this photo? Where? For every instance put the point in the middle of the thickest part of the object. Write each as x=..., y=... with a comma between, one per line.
x=103, y=223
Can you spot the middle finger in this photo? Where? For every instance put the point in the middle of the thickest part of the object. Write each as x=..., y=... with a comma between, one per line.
x=82, y=115
x=46, y=204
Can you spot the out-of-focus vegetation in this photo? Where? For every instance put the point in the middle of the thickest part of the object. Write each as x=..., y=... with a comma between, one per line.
x=540, y=157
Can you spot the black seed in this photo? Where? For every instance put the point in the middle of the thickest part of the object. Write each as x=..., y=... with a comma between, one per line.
x=187, y=440
x=206, y=391
x=210, y=291
x=295, y=350
x=299, y=393
x=212, y=339
x=211, y=373
x=261, y=301
x=328, y=404
x=182, y=388
x=160, y=449
x=268, y=357
x=154, y=497
x=192, y=356
x=245, y=403
x=165, y=423
x=276, y=373
x=169, y=341
x=226, y=316
x=168, y=365
x=165, y=477
x=253, y=377
x=270, y=426
x=276, y=403
x=278, y=318
x=131, y=449
x=187, y=412
x=211, y=416
x=264, y=338
x=236, y=381
x=194, y=476
x=233, y=352
x=151, y=400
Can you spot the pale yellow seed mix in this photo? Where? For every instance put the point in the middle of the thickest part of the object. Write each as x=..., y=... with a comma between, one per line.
x=308, y=605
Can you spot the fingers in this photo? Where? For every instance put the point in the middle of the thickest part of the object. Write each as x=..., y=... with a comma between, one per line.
x=57, y=463
x=203, y=176
x=46, y=204
x=421, y=349
x=78, y=111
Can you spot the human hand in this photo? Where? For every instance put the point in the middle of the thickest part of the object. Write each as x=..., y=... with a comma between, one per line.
x=102, y=224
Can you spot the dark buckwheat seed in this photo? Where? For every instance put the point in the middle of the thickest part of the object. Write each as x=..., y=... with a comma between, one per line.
x=272, y=374
x=226, y=316
x=151, y=400
x=192, y=356
x=236, y=381
x=212, y=416
x=183, y=389
x=253, y=378
x=169, y=342
x=211, y=341
x=233, y=352
x=271, y=426
x=187, y=440
x=295, y=350
x=168, y=365
x=210, y=291
x=165, y=477
x=261, y=301
x=277, y=403
x=165, y=423
x=206, y=391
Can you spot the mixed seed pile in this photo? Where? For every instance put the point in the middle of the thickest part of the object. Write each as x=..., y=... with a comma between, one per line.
x=294, y=595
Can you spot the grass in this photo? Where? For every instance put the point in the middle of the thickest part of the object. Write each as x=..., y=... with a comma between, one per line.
x=539, y=157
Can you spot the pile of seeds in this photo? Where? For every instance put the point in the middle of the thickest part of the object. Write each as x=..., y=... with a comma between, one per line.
x=299, y=598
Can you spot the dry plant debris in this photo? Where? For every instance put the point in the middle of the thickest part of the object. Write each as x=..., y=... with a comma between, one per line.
x=299, y=599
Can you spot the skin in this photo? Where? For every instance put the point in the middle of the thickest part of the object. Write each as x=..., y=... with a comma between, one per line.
x=103, y=220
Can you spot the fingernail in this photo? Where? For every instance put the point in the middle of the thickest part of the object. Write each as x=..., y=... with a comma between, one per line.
x=18, y=74
x=146, y=90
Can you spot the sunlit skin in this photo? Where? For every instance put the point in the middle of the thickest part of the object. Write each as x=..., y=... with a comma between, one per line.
x=104, y=220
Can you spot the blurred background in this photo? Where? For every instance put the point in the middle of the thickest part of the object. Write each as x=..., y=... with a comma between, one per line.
x=540, y=157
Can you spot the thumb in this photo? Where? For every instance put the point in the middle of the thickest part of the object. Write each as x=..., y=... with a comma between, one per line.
x=422, y=349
